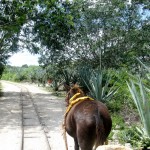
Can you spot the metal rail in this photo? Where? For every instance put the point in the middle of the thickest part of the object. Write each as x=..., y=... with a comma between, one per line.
x=22, y=123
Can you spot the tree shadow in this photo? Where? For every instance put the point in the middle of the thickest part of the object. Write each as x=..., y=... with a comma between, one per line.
x=50, y=111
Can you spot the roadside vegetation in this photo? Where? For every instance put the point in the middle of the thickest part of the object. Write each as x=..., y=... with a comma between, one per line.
x=101, y=45
x=122, y=92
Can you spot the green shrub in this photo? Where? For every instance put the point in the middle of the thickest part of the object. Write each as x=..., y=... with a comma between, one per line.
x=129, y=135
x=134, y=137
x=117, y=120
x=115, y=105
x=122, y=99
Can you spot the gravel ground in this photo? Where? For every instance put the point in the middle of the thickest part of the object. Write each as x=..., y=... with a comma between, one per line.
x=50, y=109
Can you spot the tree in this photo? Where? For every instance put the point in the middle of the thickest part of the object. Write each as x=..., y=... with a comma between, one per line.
x=108, y=33
x=13, y=15
x=53, y=25
x=34, y=24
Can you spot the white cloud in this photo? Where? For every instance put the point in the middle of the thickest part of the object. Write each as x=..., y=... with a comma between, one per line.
x=22, y=58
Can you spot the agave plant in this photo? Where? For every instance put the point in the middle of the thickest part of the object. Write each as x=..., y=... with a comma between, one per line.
x=100, y=88
x=140, y=95
x=69, y=76
x=84, y=75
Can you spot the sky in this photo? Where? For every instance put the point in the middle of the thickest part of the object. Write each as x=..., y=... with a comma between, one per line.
x=22, y=58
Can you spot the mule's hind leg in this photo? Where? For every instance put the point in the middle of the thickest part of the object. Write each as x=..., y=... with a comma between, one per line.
x=85, y=145
x=76, y=146
x=86, y=139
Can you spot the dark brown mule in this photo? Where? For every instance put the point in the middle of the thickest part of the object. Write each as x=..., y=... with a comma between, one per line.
x=87, y=121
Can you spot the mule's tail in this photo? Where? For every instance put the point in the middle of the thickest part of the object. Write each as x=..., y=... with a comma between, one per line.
x=100, y=130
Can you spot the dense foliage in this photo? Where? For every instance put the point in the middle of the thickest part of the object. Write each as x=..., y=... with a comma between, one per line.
x=111, y=32
x=27, y=24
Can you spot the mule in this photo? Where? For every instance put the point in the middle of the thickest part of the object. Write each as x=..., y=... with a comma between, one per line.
x=88, y=121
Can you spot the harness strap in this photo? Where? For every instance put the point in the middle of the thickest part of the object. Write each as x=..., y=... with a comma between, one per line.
x=73, y=102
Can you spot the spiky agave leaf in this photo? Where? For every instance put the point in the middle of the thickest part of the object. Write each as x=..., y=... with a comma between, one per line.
x=97, y=89
x=142, y=102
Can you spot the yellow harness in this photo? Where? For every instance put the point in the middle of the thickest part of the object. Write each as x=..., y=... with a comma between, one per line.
x=73, y=101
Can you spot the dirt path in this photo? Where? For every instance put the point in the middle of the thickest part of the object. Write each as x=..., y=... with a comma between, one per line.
x=50, y=110
x=31, y=119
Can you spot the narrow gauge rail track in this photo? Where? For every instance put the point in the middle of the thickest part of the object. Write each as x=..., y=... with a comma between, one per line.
x=31, y=119
x=34, y=136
